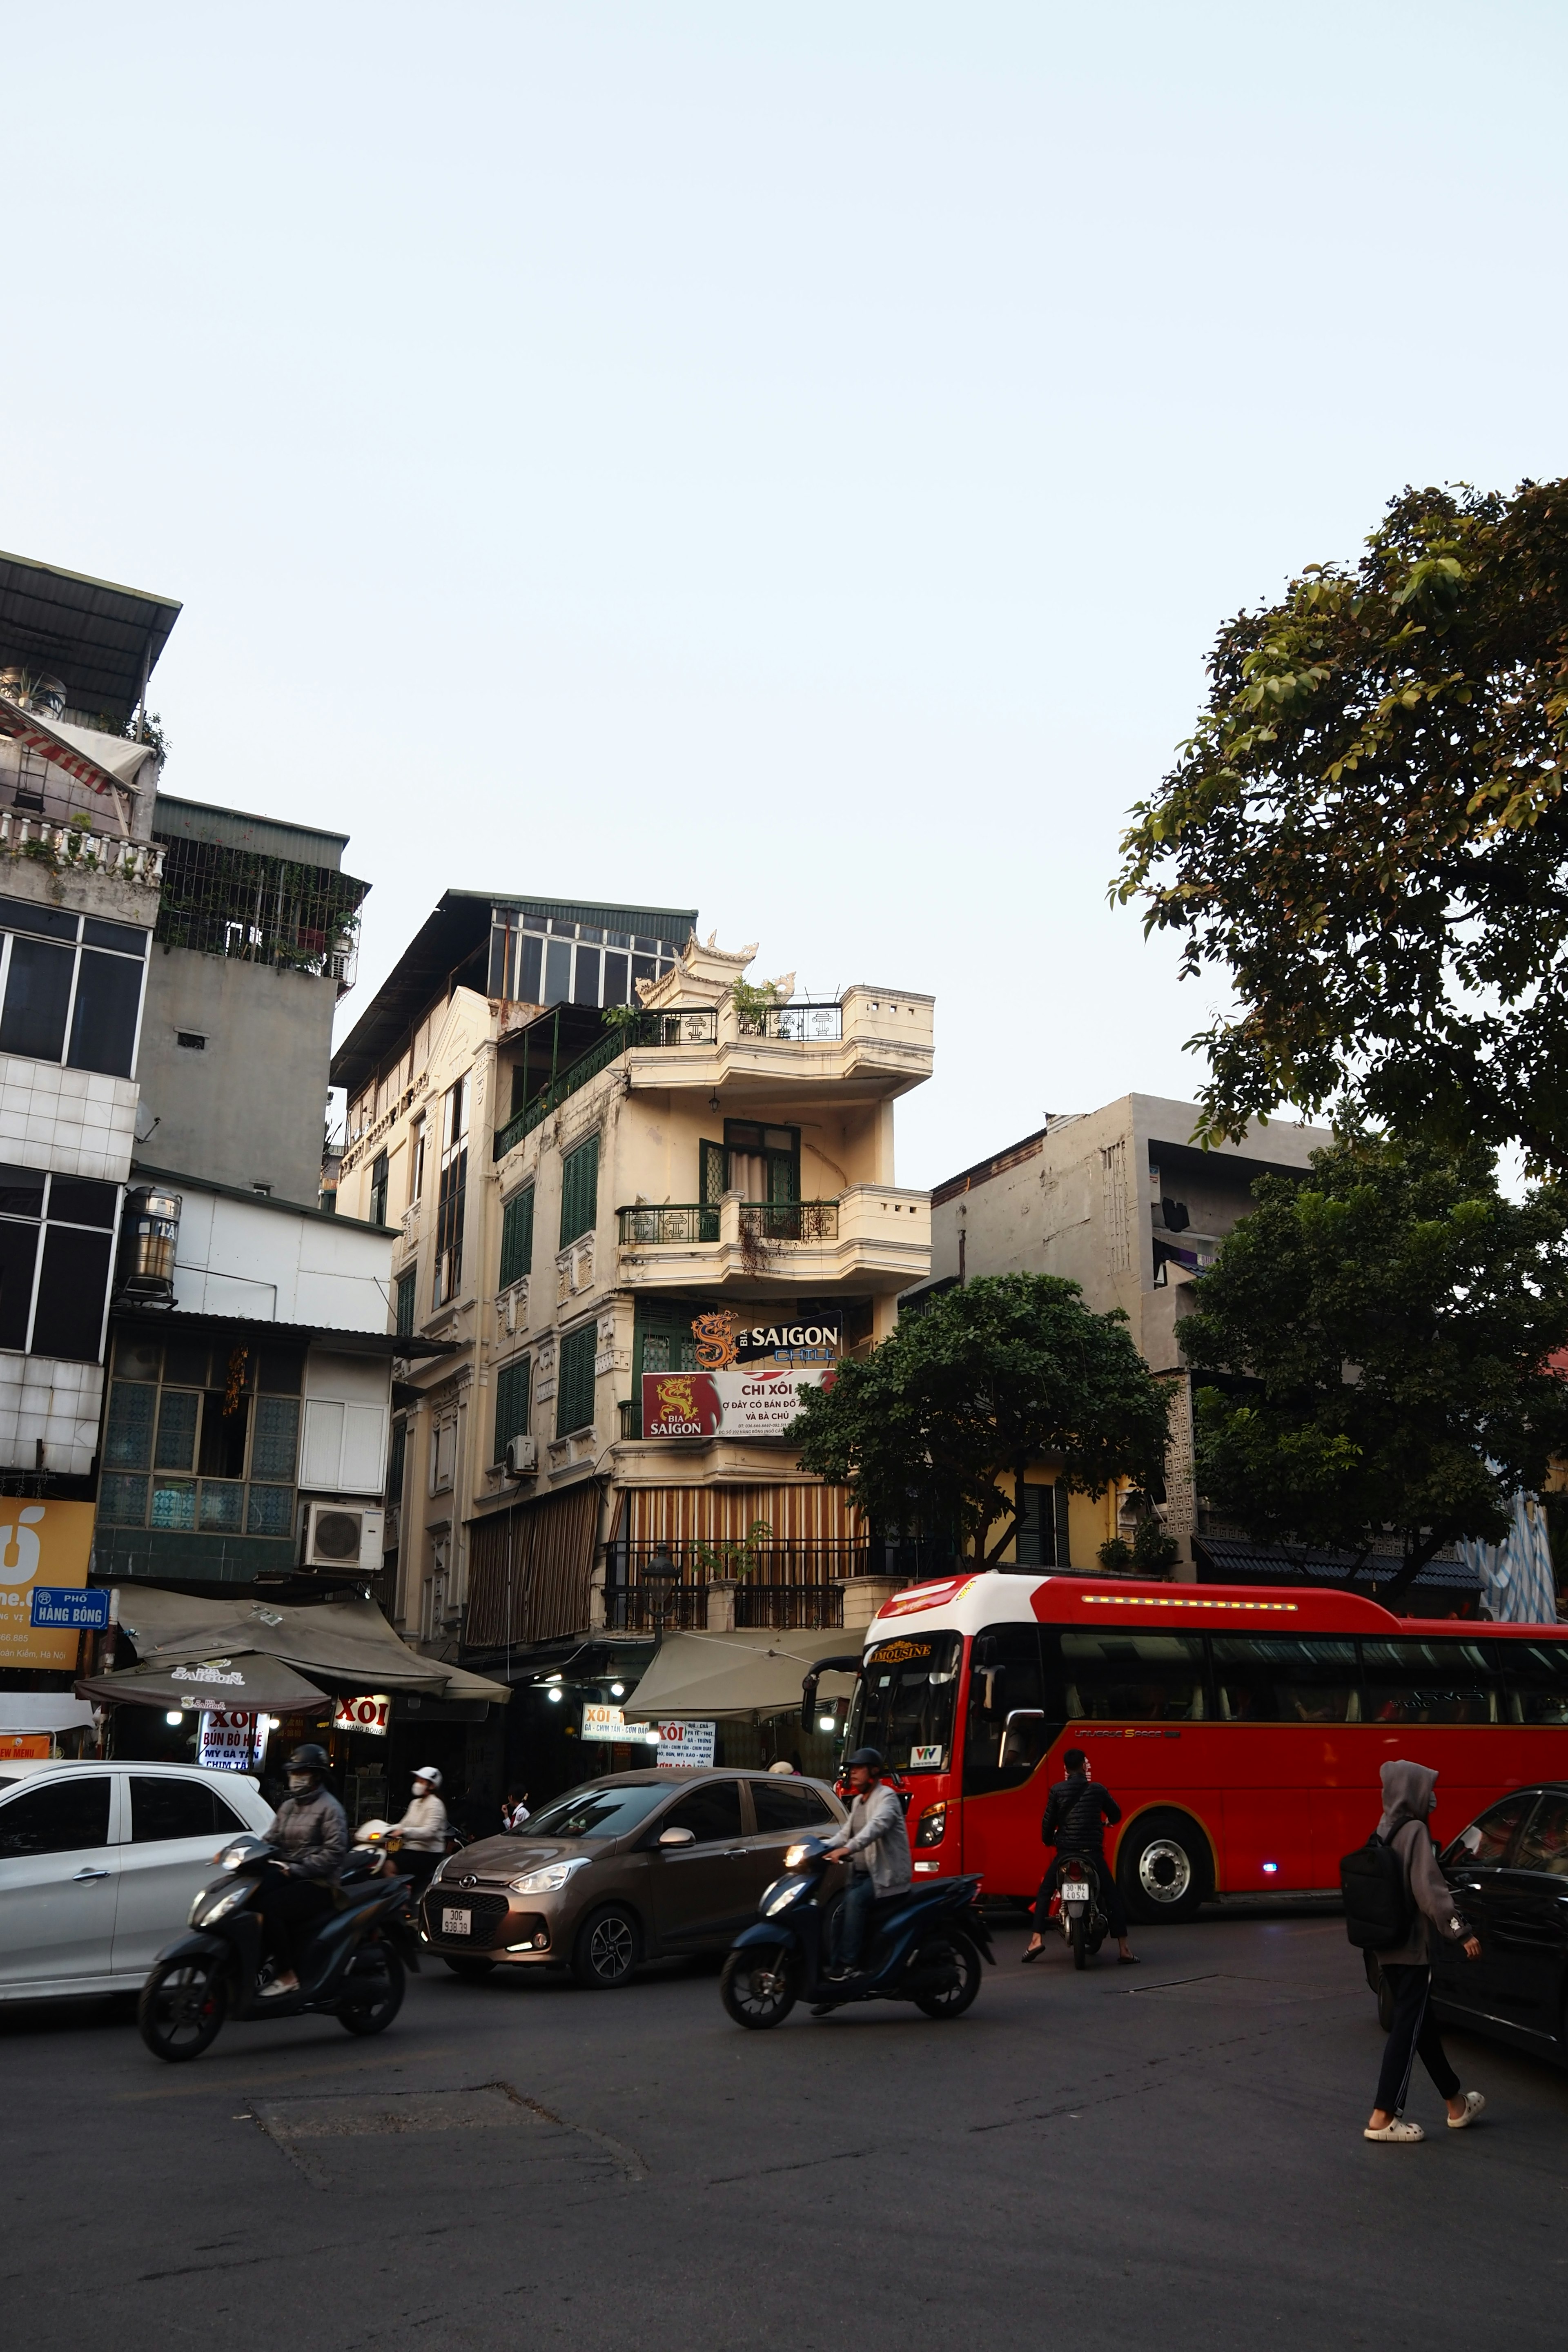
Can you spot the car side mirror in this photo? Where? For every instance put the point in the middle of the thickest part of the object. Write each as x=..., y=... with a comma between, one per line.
x=1023, y=1738
x=676, y=1837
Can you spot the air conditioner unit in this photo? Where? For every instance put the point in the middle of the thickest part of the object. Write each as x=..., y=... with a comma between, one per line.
x=343, y=1535
x=522, y=1456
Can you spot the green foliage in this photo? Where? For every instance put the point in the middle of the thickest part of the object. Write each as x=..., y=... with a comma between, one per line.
x=751, y=1003
x=1151, y=1552
x=989, y=1378
x=1369, y=831
x=1386, y=1324
x=733, y=1559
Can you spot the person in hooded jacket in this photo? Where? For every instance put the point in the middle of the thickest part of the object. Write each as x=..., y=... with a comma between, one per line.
x=1409, y=1793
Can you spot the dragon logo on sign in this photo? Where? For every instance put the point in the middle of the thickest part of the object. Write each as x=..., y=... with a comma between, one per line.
x=715, y=1338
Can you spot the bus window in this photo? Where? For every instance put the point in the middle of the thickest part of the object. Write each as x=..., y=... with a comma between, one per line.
x=1257, y=1680
x=904, y=1705
x=1536, y=1673
x=1005, y=1679
x=1134, y=1677
x=1427, y=1682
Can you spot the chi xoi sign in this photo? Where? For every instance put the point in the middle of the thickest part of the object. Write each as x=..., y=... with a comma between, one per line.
x=232, y=1742
x=609, y=1722
x=371, y=1712
x=686, y=1743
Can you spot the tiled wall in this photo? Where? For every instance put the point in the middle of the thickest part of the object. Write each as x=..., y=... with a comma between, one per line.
x=75, y=1121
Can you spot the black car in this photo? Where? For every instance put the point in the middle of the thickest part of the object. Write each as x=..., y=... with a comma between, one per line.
x=1509, y=1874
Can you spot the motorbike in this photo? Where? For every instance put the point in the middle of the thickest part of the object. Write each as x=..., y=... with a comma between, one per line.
x=351, y=1962
x=1078, y=1915
x=924, y=1946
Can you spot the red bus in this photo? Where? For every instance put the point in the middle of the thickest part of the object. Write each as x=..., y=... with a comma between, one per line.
x=1240, y=1730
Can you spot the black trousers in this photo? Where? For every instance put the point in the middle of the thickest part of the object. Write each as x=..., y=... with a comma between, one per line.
x=409, y=1863
x=286, y=1904
x=1110, y=1893
x=1412, y=2035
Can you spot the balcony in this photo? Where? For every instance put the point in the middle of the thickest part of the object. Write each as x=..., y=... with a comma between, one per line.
x=873, y=1044
x=873, y=1236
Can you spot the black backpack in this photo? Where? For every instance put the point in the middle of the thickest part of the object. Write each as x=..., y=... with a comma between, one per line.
x=1379, y=1914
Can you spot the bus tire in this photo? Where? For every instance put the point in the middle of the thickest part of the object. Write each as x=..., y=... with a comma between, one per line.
x=1164, y=1867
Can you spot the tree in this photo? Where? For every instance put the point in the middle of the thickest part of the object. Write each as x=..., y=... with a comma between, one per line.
x=1387, y=1323
x=992, y=1377
x=1369, y=830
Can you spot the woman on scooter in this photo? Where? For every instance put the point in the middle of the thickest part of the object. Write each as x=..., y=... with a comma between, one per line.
x=309, y=1837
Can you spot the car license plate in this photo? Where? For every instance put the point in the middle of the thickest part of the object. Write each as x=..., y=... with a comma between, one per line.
x=1074, y=1890
x=457, y=1922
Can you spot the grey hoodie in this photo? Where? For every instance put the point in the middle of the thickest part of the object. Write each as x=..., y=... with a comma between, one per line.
x=1409, y=1793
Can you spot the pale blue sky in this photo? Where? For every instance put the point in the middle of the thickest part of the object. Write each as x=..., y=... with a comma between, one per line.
x=784, y=460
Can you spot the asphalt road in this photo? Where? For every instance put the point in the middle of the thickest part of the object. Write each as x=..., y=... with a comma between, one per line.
x=1169, y=2155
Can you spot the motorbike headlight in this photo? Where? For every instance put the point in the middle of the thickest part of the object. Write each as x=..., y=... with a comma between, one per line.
x=933, y=1826
x=552, y=1879
x=794, y=1855
x=781, y=1894
x=214, y=1904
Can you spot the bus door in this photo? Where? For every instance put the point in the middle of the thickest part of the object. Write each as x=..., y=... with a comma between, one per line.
x=1008, y=1731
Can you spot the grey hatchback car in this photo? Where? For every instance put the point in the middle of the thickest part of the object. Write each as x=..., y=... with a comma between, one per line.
x=635, y=1866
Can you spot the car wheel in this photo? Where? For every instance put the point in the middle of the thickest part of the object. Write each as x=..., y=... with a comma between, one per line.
x=1164, y=1867
x=607, y=1950
x=470, y=1970
x=374, y=1993
x=181, y=2009
x=760, y=1984
x=948, y=1967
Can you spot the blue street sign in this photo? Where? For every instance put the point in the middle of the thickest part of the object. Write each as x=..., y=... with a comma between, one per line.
x=63, y=1605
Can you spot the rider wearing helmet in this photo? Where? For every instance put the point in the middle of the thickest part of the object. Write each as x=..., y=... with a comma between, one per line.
x=310, y=1838
x=422, y=1829
x=877, y=1847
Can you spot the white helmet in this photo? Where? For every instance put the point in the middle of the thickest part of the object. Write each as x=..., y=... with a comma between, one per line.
x=784, y=1765
x=428, y=1773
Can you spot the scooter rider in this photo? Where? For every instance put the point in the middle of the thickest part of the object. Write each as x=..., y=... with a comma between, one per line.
x=877, y=1848
x=422, y=1829
x=309, y=1837
x=1074, y=1819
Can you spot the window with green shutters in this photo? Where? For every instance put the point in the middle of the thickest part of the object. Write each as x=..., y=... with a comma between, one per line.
x=575, y=1385
x=579, y=1191
x=517, y=1244
x=511, y=1404
x=396, y=1460
x=406, y=1285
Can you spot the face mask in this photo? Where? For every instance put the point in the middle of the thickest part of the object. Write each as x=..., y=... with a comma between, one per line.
x=298, y=1780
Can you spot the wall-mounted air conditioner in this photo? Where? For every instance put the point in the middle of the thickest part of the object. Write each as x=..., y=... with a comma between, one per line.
x=522, y=1456
x=343, y=1535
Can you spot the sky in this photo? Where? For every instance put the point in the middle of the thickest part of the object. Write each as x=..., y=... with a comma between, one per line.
x=788, y=460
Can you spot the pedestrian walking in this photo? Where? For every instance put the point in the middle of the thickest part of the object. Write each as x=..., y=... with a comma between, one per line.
x=1409, y=1793
x=422, y=1829
x=514, y=1809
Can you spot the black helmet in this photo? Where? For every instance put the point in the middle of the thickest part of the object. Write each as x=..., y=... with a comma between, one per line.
x=310, y=1759
x=871, y=1757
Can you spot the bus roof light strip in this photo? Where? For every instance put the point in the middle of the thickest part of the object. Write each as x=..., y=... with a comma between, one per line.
x=1157, y=1600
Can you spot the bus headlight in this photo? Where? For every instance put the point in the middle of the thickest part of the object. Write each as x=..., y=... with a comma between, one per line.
x=933, y=1826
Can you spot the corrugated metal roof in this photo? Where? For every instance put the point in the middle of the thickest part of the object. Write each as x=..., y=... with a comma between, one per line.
x=269, y=836
x=1234, y=1561
x=92, y=633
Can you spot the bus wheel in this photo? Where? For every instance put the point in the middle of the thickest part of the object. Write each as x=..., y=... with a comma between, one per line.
x=1164, y=1867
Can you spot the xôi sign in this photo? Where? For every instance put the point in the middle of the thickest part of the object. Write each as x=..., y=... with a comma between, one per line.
x=370, y=1713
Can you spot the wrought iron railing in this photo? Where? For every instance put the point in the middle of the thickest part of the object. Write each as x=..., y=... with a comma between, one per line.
x=644, y=1029
x=789, y=1221
x=804, y=1024
x=688, y=1220
x=683, y=1609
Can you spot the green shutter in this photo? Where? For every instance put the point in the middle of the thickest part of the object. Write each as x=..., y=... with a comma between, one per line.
x=711, y=1190
x=580, y=1192
x=511, y=1404
x=406, y=1283
x=575, y=1385
x=517, y=1243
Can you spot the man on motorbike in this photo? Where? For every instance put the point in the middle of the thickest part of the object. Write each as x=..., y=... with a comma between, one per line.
x=1074, y=1819
x=309, y=1838
x=877, y=1848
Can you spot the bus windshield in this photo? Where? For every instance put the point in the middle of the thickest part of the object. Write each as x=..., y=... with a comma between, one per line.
x=904, y=1705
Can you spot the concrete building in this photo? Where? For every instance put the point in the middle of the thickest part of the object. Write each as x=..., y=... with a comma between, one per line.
x=1122, y=1203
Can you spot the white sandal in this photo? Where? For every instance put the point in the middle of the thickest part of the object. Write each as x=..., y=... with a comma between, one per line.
x=1474, y=2102
x=1404, y=2134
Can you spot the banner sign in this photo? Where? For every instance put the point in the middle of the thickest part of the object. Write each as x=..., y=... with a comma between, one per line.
x=232, y=1743
x=726, y=1404
x=814, y=1336
x=684, y=1743
x=57, y=1604
x=609, y=1723
x=45, y=1544
x=372, y=1713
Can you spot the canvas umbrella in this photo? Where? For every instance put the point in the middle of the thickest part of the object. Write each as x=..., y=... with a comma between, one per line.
x=248, y=1681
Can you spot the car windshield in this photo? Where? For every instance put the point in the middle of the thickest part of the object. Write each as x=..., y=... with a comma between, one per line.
x=904, y=1705
x=596, y=1812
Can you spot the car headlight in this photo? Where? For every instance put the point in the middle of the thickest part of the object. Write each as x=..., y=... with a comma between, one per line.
x=552, y=1879
x=209, y=1908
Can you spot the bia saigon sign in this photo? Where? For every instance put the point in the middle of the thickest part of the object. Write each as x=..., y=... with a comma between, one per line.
x=754, y=1403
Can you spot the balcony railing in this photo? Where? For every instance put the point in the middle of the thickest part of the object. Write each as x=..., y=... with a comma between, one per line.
x=806, y=1024
x=789, y=1221
x=691, y=1221
x=644, y=1029
x=786, y=1608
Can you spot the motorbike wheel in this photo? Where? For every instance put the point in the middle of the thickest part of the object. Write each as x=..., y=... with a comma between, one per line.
x=760, y=1985
x=373, y=1998
x=1078, y=1943
x=954, y=1959
x=181, y=2009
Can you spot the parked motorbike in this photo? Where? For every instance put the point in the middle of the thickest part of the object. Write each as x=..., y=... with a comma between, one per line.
x=350, y=1967
x=924, y=1947
x=1078, y=1915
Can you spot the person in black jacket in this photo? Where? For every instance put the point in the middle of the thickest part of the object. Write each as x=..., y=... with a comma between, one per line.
x=1074, y=1823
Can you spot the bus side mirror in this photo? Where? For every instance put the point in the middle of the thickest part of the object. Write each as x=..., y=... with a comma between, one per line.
x=1022, y=1738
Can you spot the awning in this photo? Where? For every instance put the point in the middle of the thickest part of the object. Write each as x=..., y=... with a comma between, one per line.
x=240, y=1680
x=754, y=1671
x=348, y=1643
x=51, y=1711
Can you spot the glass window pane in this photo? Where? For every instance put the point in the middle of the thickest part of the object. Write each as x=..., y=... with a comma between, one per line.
x=1488, y=1837
x=223, y=1506
x=73, y=1288
x=103, y=1026
x=22, y=1192
x=617, y=983
x=1545, y=1845
x=557, y=971
x=185, y=1363
x=906, y=1698
x=118, y=936
x=1260, y=1680
x=178, y=1430
x=272, y=1511
x=51, y=922
x=64, y=1817
x=224, y=1427
x=18, y=1255
x=1140, y=1677
x=74, y=1202
x=281, y=1372
x=38, y=992
x=529, y=958
x=585, y=986
x=711, y=1812
x=1426, y=1682
x=128, y=1430
x=122, y=1501
x=781, y=1805
x=174, y=1502
x=136, y=1357
x=275, y=1448
x=1004, y=1674
x=164, y=1807
x=1536, y=1673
